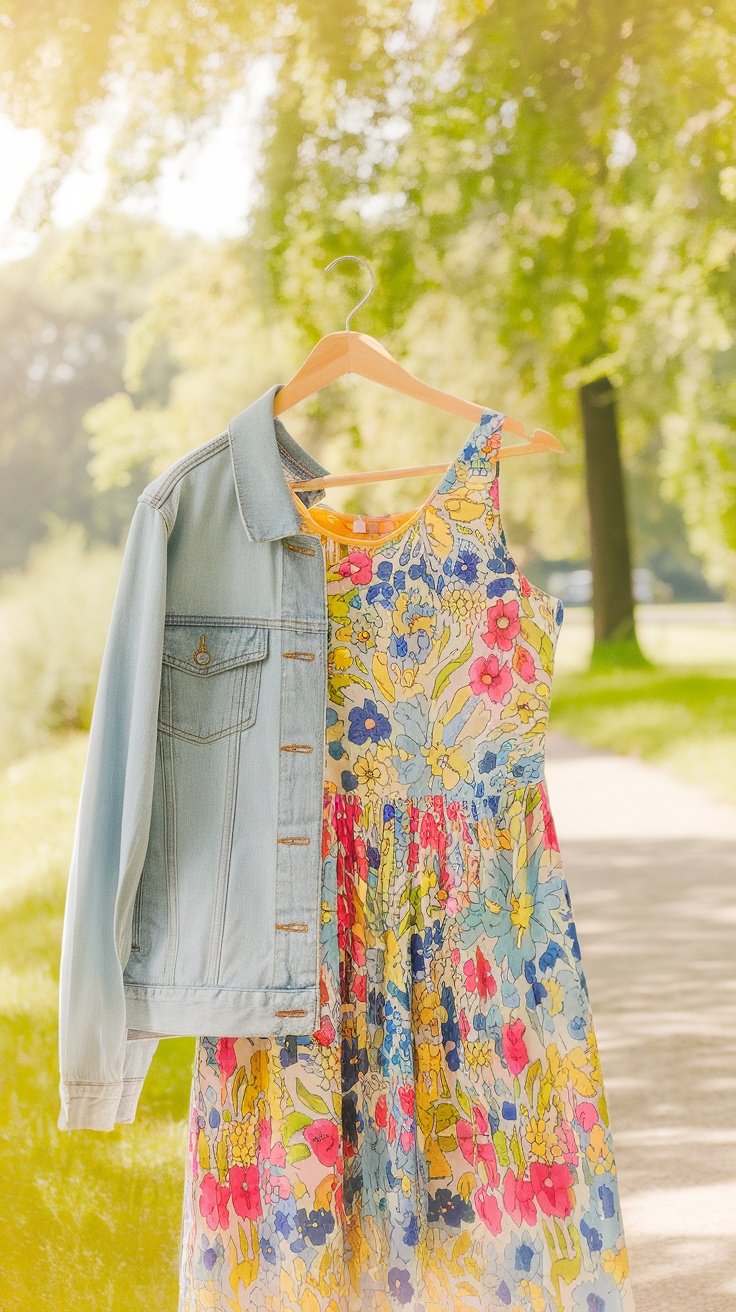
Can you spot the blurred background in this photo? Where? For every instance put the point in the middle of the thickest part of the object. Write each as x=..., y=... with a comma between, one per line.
x=545, y=194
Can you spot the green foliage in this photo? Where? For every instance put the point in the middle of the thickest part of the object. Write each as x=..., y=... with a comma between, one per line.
x=64, y=316
x=55, y=615
x=562, y=172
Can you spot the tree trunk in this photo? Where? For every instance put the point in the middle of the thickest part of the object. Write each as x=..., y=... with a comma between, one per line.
x=613, y=602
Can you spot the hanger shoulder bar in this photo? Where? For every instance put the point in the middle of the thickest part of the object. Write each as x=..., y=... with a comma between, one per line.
x=540, y=441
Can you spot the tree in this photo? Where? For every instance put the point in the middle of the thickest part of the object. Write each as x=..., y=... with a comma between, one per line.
x=65, y=327
x=563, y=169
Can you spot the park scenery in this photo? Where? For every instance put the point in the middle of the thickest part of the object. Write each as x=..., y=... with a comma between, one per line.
x=544, y=194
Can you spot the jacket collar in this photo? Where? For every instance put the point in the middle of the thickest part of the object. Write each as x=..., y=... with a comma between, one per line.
x=264, y=457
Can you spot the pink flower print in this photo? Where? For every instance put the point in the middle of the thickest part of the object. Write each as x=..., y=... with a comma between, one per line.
x=465, y=1141
x=226, y=1058
x=323, y=1139
x=264, y=1136
x=487, y=1155
x=245, y=1189
x=480, y=1118
x=486, y=983
x=514, y=1047
x=523, y=662
x=489, y=677
x=566, y=1137
x=463, y=1024
x=586, y=1114
x=518, y=1198
x=278, y=1153
x=326, y=1032
x=551, y=1183
x=502, y=619
x=488, y=1209
x=213, y=1198
x=406, y=1098
x=406, y=1139
x=280, y=1187
x=549, y=839
x=471, y=982
x=358, y=565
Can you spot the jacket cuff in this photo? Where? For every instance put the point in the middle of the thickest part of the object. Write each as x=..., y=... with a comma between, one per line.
x=89, y=1106
x=98, y=1106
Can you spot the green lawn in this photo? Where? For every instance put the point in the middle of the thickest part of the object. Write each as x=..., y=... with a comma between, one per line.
x=681, y=714
x=684, y=721
x=90, y=1220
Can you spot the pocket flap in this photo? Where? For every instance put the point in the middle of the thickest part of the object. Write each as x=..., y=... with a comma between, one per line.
x=210, y=646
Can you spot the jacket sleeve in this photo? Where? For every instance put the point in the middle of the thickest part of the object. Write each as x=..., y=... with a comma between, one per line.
x=101, y=1069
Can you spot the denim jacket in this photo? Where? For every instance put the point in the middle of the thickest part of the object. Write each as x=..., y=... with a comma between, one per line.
x=194, y=900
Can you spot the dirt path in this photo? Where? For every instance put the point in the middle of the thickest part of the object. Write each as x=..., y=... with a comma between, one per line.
x=651, y=867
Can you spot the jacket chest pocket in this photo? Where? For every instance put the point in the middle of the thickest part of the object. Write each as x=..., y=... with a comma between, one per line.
x=210, y=677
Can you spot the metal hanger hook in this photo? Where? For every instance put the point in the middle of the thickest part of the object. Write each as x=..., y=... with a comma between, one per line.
x=366, y=266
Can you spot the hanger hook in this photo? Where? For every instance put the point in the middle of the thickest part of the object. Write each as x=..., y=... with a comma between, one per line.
x=360, y=260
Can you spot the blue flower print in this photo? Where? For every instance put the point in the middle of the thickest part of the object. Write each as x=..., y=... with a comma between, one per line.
x=411, y=1234
x=519, y=929
x=524, y=1258
x=211, y=1254
x=500, y=587
x=450, y=1208
x=315, y=1225
x=466, y=566
x=600, y=1295
x=551, y=954
x=592, y=1236
x=367, y=724
x=399, y=1285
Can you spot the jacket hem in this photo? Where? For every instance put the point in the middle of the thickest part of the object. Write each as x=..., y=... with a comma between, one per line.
x=255, y=1013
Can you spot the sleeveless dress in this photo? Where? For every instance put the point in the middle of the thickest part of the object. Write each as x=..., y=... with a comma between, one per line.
x=442, y=1142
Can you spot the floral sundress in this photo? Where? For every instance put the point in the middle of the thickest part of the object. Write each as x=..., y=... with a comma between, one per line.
x=442, y=1142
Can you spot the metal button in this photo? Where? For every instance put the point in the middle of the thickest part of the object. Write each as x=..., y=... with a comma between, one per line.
x=201, y=655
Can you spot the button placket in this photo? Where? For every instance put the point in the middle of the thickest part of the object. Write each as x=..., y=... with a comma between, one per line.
x=303, y=707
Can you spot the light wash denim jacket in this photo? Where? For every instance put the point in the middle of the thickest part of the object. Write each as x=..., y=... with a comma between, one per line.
x=194, y=897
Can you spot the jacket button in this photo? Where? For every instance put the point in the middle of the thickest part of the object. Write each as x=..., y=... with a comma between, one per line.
x=201, y=655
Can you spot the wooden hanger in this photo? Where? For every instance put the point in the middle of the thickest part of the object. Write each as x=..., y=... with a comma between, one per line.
x=348, y=352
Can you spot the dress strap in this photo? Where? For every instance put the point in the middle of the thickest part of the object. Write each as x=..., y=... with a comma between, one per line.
x=481, y=445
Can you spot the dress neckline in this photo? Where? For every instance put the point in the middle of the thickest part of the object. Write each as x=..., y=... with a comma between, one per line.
x=491, y=422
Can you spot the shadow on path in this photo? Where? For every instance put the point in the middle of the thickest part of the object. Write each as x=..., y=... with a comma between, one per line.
x=656, y=918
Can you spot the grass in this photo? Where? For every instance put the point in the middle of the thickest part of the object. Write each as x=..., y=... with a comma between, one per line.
x=683, y=720
x=679, y=713
x=90, y=1220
